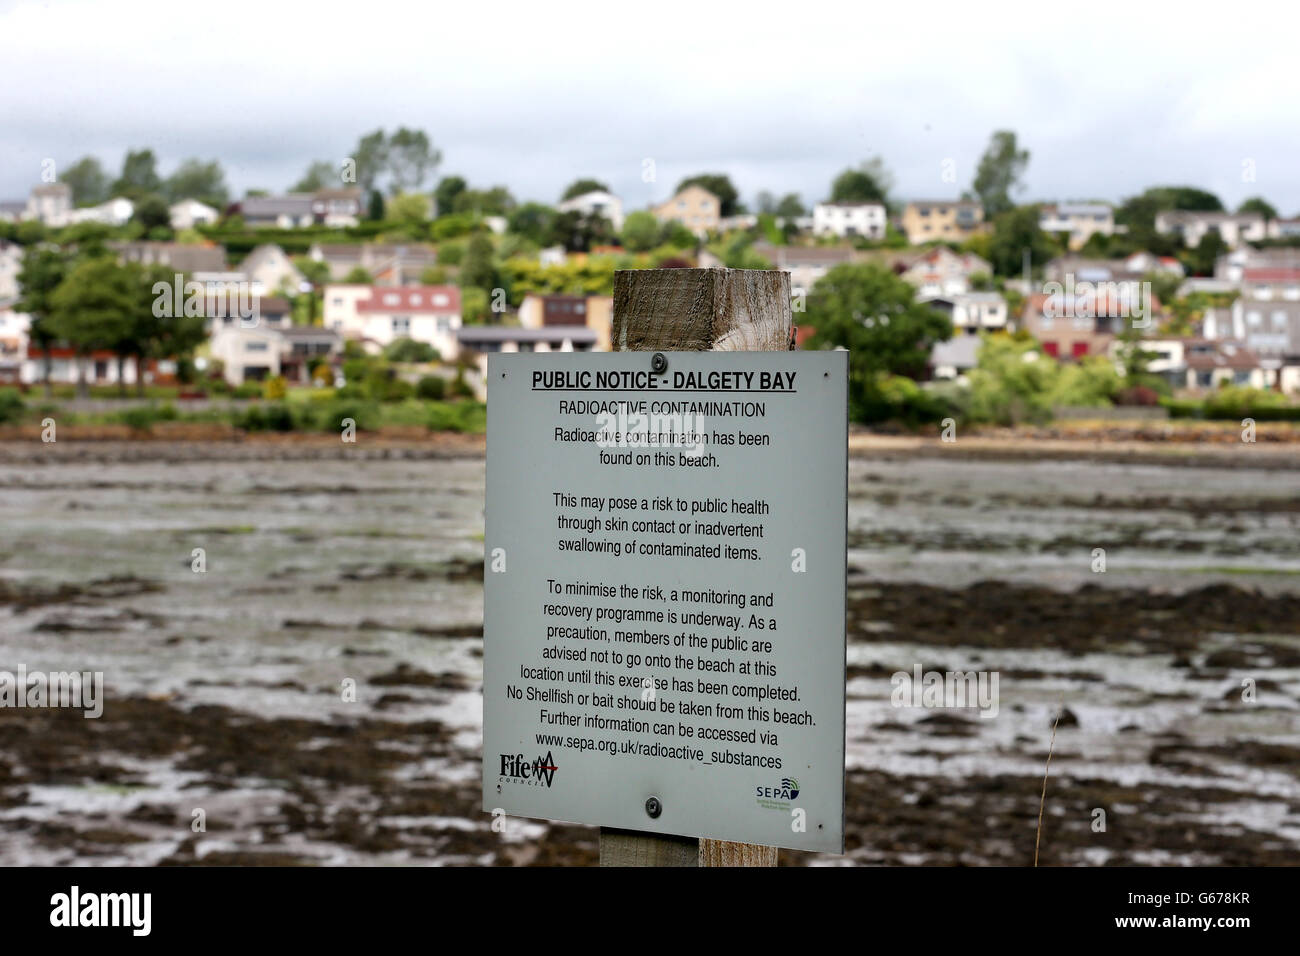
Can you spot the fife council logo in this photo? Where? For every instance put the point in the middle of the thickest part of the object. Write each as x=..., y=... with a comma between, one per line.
x=539, y=772
x=778, y=798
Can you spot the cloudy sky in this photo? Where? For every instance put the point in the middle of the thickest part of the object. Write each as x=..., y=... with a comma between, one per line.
x=1108, y=97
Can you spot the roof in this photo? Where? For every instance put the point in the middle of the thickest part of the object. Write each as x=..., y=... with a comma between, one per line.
x=1276, y=274
x=970, y=203
x=52, y=189
x=961, y=351
x=431, y=299
x=851, y=202
x=503, y=333
x=1227, y=356
x=307, y=332
x=183, y=258
x=291, y=205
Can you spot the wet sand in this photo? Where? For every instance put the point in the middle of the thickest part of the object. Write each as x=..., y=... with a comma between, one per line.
x=226, y=689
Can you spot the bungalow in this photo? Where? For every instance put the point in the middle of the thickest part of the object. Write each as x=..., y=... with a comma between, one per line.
x=182, y=258
x=255, y=354
x=339, y=208
x=268, y=269
x=951, y=360
x=972, y=311
x=114, y=212
x=51, y=204
x=189, y=213
x=379, y=315
x=806, y=264
x=1192, y=227
x=481, y=340
x=386, y=264
x=292, y=211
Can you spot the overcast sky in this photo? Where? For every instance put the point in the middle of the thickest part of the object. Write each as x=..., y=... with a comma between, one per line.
x=1108, y=97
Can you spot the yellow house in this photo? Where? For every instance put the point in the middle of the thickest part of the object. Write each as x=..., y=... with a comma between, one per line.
x=694, y=207
x=942, y=220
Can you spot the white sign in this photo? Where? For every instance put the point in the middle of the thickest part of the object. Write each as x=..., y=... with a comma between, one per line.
x=664, y=593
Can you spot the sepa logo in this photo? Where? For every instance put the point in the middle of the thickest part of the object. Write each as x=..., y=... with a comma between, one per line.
x=778, y=798
x=517, y=768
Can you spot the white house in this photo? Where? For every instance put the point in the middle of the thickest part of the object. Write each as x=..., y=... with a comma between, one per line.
x=1081, y=221
x=11, y=262
x=383, y=314
x=189, y=213
x=598, y=202
x=849, y=219
x=973, y=311
x=114, y=212
x=1191, y=227
x=51, y=204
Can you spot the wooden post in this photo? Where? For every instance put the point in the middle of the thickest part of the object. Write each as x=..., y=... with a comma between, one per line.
x=695, y=310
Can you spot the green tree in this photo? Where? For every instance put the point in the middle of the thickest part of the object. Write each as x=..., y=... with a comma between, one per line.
x=152, y=212
x=88, y=181
x=578, y=232
x=358, y=276
x=533, y=221
x=154, y=332
x=444, y=196
x=1200, y=261
x=869, y=182
x=1256, y=204
x=139, y=175
x=720, y=185
x=580, y=187
x=496, y=201
x=1183, y=197
x=319, y=175
x=92, y=310
x=479, y=269
x=999, y=172
x=43, y=268
x=790, y=207
x=640, y=231
x=872, y=312
x=370, y=156
x=195, y=179
x=411, y=158
x=1014, y=232
x=408, y=209
x=375, y=208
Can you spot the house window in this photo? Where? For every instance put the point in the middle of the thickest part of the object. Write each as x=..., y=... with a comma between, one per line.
x=1052, y=349
x=442, y=324
x=1279, y=320
x=440, y=300
x=391, y=299
x=1254, y=318
x=1079, y=350
x=401, y=325
x=254, y=346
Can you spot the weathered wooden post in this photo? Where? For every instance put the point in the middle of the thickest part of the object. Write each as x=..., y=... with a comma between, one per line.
x=695, y=310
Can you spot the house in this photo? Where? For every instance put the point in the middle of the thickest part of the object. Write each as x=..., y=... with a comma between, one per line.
x=269, y=312
x=386, y=264
x=1191, y=227
x=1284, y=228
x=268, y=345
x=849, y=220
x=12, y=210
x=1080, y=221
x=291, y=211
x=339, y=208
x=14, y=330
x=1232, y=265
x=1070, y=327
x=695, y=208
x=1270, y=283
x=568, y=311
x=181, y=257
x=1200, y=363
x=598, y=202
x=942, y=220
x=806, y=264
x=940, y=271
x=268, y=269
x=1145, y=262
x=114, y=212
x=972, y=311
x=480, y=341
x=379, y=315
x=51, y=204
x=11, y=263
x=951, y=360
x=189, y=213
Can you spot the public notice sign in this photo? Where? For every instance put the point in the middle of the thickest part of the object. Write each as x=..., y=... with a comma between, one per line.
x=664, y=612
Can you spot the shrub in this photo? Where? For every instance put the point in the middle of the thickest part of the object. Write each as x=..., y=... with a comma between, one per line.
x=274, y=389
x=248, y=390
x=459, y=387
x=11, y=406
x=457, y=417
x=431, y=387
x=1235, y=402
x=269, y=418
x=409, y=350
x=364, y=414
x=144, y=417
x=1137, y=395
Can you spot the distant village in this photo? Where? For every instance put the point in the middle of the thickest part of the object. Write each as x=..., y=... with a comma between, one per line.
x=321, y=278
